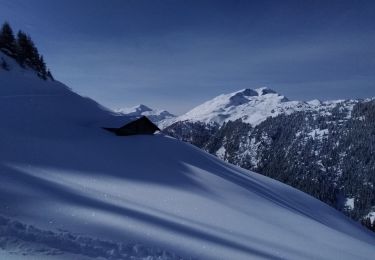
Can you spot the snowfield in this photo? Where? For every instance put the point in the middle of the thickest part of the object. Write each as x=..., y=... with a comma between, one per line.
x=70, y=190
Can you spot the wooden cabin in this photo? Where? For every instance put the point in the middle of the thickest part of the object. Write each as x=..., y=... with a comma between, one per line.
x=140, y=126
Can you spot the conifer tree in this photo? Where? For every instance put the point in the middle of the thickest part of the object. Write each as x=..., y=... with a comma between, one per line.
x=7, y=40
x=28, y=54
x=41, y=67
x=49, y=75
x=22, y=47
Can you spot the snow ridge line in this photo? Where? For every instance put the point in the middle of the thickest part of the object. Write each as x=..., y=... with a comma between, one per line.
x=14, y=233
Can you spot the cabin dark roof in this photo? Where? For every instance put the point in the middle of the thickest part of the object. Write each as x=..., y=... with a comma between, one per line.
x=141, y=126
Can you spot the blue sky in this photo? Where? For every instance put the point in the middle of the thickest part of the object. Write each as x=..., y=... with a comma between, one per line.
x=175, y=54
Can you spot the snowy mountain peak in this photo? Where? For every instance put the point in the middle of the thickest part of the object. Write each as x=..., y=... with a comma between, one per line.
x=264, y=91
x=143, y=108
x=237, y=100
x=248, y=92
x=138, y=110
x=155, y=115
x=251, y=105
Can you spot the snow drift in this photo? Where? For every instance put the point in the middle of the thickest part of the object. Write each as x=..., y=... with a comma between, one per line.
x=61, y=173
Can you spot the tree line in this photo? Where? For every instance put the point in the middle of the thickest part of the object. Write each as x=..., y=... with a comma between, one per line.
x=23, y=50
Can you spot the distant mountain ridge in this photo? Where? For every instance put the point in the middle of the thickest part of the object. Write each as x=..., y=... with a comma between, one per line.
x=155, y=115
x=252, y=106
x=323, y=148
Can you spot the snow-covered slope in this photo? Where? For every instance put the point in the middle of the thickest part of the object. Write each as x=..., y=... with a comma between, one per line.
x=327, y=141
x=155, y=115
x=70, y=190
x=252, y=106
